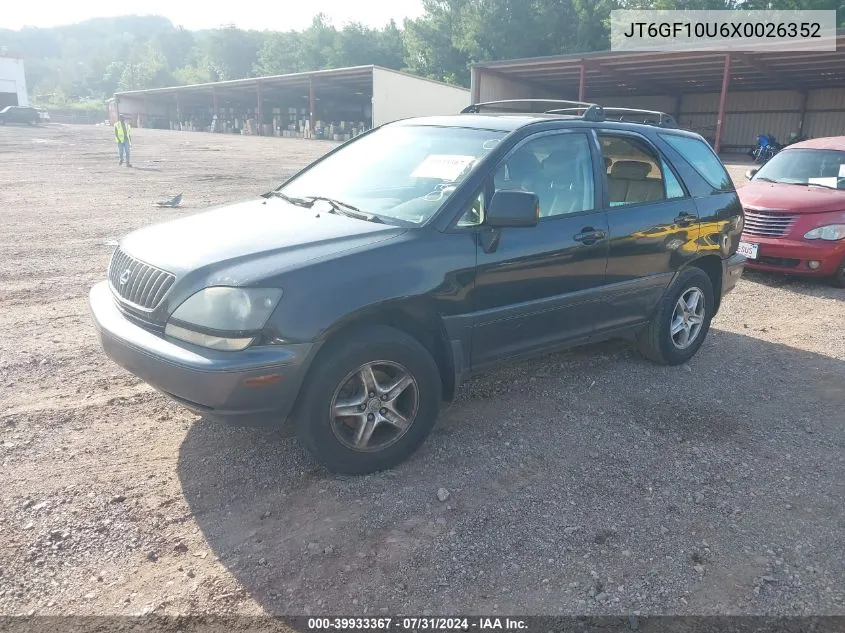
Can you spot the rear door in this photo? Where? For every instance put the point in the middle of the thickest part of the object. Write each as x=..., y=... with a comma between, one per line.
x=653, y=227
x=540, y=286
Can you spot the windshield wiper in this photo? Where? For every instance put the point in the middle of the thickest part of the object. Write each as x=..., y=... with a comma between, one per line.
x=300, y=202
x=764, y=179
x=344, y=208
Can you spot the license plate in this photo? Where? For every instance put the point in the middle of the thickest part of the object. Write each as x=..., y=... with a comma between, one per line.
x=747, y=249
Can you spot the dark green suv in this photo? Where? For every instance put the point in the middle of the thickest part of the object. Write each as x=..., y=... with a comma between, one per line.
x=365, y=289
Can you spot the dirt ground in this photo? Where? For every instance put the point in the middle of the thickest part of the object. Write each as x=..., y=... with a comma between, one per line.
x=585, y=482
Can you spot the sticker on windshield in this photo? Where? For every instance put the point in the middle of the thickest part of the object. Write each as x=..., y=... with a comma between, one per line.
x=824, y=181
x=442, y=166
x=842, y=170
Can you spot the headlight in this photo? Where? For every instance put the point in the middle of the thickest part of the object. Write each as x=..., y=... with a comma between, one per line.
x=223, y=318
x=831, y=232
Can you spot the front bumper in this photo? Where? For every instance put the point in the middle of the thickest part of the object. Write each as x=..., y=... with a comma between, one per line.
x=783, y=255
x=732, y=272
x=256, y=380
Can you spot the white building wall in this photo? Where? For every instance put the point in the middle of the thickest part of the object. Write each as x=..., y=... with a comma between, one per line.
x=13, y=78
x=398, y=96
x=495, y=87
x=153, y=107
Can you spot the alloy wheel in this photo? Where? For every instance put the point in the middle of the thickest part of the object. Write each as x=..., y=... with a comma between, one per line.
x=374, y=406
x=687, y=318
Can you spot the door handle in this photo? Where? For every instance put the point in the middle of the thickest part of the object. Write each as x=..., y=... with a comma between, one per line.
x=589, y=235
x=685, y=219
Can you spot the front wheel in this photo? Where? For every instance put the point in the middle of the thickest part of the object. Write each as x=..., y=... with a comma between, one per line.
x=838, y=279
x=681, y=321
x=369, y=401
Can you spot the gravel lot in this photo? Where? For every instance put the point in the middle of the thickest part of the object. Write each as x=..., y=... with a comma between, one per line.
x=585, y=482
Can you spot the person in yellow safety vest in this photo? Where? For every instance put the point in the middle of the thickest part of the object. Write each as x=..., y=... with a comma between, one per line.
x=123, y=136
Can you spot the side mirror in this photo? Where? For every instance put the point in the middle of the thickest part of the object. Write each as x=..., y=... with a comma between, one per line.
x=750, y=173
x=513, y=209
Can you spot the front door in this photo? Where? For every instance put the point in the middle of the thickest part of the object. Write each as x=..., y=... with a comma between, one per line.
x=537, y=287
x=653, y=228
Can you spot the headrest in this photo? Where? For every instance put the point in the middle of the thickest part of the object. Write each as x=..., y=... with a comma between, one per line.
x=522, y=164
x=561, y=157
x=630, y=170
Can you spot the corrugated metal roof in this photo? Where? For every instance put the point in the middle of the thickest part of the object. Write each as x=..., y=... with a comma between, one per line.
x=352, y=73
x=346, y=78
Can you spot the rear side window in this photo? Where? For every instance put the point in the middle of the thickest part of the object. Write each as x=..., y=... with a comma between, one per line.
x=703, y=159
x=635, y=173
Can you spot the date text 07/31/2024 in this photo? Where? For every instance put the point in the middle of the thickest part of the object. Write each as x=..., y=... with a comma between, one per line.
x=416, y=624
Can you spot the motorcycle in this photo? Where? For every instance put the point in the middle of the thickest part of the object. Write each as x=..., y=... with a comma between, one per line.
x=796, y=138
x=767, y=146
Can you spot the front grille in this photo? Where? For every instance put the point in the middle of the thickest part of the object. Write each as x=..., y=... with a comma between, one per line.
x=784, y=262
x=767, y=224
x=141, y=319
x=140, y=285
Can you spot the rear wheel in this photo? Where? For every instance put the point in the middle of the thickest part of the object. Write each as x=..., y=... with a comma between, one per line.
x=681, y=321
x=369, y=402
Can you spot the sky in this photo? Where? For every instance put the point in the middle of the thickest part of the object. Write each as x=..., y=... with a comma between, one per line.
x=274, y=16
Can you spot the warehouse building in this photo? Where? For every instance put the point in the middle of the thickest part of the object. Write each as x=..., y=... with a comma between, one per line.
x=12, y=82
x=332, y=104
x=727, y=98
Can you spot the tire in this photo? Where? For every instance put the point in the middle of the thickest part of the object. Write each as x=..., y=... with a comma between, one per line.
x=656, y=341
x=336, y=377
x=838, y=279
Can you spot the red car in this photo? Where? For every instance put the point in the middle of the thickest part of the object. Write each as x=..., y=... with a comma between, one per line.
x=795, y=211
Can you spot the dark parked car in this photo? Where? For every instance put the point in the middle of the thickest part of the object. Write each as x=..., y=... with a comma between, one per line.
x=357, y=296
x=20, y=114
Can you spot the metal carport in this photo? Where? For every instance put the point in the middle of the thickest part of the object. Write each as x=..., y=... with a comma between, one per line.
x=370, y=94
x=728, y=97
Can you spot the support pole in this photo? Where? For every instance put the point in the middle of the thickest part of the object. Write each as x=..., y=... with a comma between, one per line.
x=475, y=83
x=723, y=97
x=804, y=96
x=259, y=118
x=582, y=80
x=178, y=111
x=311, y=100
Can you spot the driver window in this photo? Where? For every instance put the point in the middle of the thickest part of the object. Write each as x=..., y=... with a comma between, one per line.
x=557, y=167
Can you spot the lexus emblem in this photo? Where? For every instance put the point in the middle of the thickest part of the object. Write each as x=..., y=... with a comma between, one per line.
x=125, y=276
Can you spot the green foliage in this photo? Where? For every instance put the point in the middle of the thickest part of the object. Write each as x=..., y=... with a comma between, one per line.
x=93, y=59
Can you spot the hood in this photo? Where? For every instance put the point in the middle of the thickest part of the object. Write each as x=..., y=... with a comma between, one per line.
x=236, y=233
x=796, y=199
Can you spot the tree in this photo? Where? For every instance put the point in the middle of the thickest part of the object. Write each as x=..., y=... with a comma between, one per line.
x=278, y=54
x=230, y=53
x=317, y=43
x=431, y=42
x=176, y=45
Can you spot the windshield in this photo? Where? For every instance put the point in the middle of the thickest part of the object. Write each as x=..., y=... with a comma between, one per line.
x=824, y=167
x=405, y=173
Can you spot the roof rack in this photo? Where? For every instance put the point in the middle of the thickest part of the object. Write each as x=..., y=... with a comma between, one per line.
x=584, y=110
x=663, y=119
x=591, y=111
